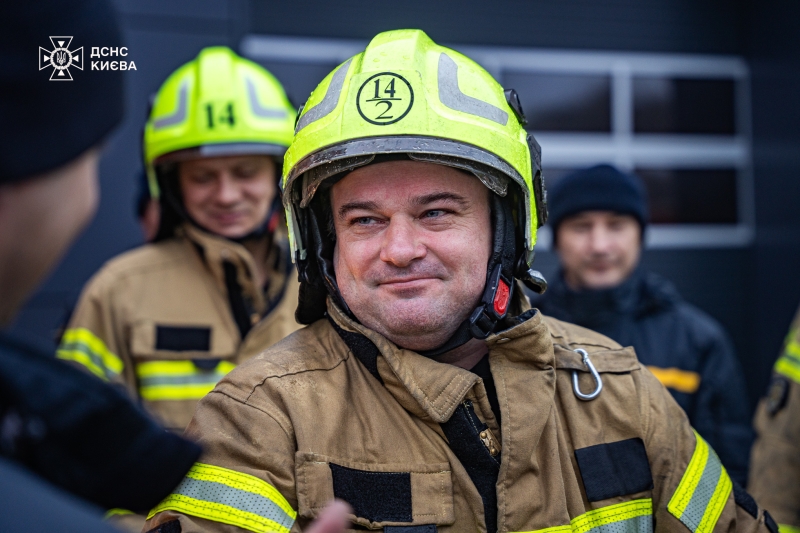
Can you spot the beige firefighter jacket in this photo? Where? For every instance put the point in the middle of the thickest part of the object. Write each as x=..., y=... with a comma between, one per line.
x=158, y=320
x=775, y=459
x=324, y=414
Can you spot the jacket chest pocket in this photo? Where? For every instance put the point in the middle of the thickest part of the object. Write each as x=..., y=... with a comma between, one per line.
x=176, y=362
x=393, y=497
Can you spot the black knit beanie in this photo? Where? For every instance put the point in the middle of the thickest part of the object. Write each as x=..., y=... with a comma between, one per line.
x=599, y=188
x=46, y=124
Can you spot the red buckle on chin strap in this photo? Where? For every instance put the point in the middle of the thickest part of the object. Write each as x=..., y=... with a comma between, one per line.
x=501, y=297
x=273, y=221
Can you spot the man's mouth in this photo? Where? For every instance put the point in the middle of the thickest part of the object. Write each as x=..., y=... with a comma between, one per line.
x=227, y=218
x=406, y=281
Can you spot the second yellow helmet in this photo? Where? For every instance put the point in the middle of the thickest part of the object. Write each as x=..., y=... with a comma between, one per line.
x=215, y=105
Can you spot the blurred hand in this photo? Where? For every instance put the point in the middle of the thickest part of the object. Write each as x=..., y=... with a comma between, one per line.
x=332, y=519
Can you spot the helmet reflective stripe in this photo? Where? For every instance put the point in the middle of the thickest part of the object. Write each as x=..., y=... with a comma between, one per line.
x=180, y=112
x=451, y=96
x=328, y=104
x=257, y=108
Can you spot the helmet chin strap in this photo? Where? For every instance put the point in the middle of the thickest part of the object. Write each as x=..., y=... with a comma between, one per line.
x=266, y=228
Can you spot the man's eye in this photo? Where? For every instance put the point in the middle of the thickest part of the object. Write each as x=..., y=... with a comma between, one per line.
x=245, y=172
x=616, y=225
x=434, y=213
x=202, y=178
x=362, y=221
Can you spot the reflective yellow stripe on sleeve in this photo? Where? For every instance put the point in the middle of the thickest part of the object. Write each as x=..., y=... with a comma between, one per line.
x=788, y=364
x=703, y=490
x=82, y=346
x=178, y=380
x=784, y=528
x=635, y=516
x=677, y=379
x=229, y=497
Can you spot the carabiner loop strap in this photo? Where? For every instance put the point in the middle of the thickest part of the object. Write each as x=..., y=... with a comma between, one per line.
x=595, y=375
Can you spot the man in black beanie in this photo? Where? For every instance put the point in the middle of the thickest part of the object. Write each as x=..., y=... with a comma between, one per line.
x=60, y=429
x=598, y=217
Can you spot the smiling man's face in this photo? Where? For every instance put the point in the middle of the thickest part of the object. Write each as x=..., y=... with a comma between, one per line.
x=412, y=246
x=229, y=196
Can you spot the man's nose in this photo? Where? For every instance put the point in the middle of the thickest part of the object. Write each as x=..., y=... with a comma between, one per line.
x=600, y=239
x=227, y=191
x=401, y=244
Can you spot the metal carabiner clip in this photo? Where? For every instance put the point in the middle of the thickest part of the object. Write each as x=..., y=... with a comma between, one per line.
x=592, y=395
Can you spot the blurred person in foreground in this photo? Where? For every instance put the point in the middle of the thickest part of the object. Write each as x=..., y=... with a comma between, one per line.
x=598, y=216
x=775, y=462
x=425, y=391
x=62, y=431
x=70, y=445
x=167, y=320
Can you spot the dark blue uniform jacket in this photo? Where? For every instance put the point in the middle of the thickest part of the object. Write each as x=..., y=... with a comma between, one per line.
x=686, y=349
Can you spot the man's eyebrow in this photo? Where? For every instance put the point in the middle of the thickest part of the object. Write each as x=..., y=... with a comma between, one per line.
x=440, y=196
x=352, y=206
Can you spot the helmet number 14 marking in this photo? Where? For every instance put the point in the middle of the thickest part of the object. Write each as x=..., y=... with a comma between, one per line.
x=224, y=116
x=384, y=98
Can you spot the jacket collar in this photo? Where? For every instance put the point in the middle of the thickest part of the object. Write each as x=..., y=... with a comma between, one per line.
x=641, y=293
x=432, y=390
x=217, y=250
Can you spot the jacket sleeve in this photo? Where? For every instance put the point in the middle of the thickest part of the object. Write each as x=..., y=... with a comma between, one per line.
x=245, y=479
x=722, y=410
x=775, y=463
x=93, y=339
x=692, y=490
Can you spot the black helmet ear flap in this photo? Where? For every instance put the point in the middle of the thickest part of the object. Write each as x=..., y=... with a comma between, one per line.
x=317, y=276
x=539, y=191
x=500, y=273
x=311, y=299
x=321, y=249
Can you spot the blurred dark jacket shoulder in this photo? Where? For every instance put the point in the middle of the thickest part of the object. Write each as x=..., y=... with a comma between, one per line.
x=82, y=435
x=683, y=346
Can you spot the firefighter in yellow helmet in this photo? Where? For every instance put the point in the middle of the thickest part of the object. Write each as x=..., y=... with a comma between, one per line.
x=426, y=392
x=167, y=320
x=775, y=459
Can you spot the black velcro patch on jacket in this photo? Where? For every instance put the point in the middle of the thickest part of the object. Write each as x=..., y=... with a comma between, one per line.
x=173, y=526
x=744, y=500
x=183, y=339
x=376, y=496
x=426, y=528
x=614, y=469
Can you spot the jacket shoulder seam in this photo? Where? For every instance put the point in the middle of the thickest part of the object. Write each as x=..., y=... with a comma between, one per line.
x=245, y=402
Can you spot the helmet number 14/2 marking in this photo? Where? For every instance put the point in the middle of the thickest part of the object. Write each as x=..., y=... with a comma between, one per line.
x=224, y=116
x=384, y=98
